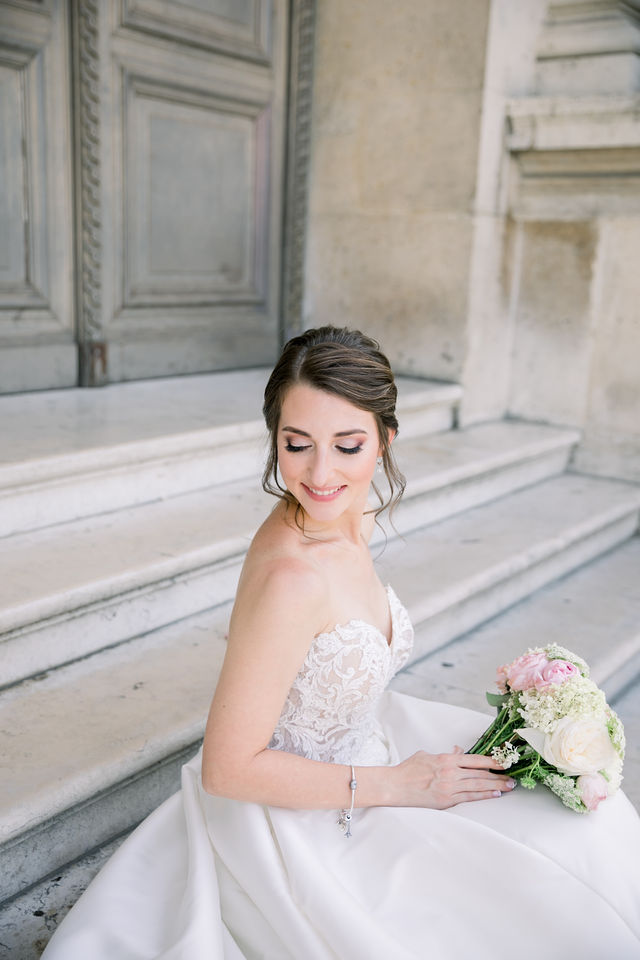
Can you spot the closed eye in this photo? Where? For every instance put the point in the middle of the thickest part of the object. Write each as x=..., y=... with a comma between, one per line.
x=350, y=449
x=292, y=448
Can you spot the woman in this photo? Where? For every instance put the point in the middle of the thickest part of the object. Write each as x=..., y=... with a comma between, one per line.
x=326, y=818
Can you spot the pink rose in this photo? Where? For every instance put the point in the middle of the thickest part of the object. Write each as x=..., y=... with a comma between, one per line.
x=556, y=671
x=593, y=789
x=526, y=672
x=501, y=678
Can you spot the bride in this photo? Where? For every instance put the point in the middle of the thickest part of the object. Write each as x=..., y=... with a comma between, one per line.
x=327, y=818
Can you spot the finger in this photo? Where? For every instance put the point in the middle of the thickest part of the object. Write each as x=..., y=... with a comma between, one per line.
x=472, y=760
x=483, y=784
x=458, y=749
x=471, y=795
x=488, y=777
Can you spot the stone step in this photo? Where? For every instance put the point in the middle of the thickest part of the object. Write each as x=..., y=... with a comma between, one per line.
x=75, y=453
x=125, y=721
x=462, y=571
x=595, y=612
x=69, y=590
x=126, y=718
x=451, y=472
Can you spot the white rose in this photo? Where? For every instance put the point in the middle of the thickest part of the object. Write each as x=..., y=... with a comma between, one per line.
x=576, y=746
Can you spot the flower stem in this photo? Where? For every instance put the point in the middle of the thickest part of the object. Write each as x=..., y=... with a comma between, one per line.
x=502, y=728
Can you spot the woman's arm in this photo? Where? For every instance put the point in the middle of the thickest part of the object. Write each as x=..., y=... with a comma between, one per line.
x=275, y=618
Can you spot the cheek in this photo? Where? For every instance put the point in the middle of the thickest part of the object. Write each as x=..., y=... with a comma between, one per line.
x=287, y=462
x=363, y=470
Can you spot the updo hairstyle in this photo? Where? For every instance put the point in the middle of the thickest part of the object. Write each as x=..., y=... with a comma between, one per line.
x=347, y=364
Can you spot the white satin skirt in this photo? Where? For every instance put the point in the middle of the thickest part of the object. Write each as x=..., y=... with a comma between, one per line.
x=205, y=878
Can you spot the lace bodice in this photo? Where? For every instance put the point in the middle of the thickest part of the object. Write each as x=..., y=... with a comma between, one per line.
x=329, y=713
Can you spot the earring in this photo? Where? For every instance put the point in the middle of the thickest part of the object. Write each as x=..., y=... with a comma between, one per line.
x=379, y=465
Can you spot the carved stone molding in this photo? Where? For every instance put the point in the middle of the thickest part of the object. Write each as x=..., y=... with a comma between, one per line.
x=574, y=157
x=298, y=155
x=590, y=47
x=86, y=15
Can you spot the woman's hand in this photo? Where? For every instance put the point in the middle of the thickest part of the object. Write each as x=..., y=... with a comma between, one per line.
x=441, y=780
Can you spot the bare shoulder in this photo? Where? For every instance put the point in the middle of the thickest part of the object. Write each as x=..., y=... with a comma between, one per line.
x=289, y=577
x=281, y=584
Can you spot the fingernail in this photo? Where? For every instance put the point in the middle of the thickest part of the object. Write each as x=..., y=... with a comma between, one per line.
x=496, y=793
x=511, y=784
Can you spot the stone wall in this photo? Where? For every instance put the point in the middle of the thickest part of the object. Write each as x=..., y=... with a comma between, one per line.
x=475, y=204
x=574, y=207
x=396, y=128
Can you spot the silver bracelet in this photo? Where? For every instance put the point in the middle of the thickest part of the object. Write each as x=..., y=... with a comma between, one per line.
x=344, y=820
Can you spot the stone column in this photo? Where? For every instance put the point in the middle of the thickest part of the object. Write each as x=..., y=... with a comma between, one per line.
x=574, y=202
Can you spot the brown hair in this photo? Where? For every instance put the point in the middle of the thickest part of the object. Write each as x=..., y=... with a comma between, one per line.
x=349, y=365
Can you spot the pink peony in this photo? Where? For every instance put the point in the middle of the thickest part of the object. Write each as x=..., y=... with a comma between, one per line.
x=526, y=672
x=593, y=789
x=556, y=671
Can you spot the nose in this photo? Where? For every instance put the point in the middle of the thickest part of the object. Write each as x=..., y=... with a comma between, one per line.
x=320, y=469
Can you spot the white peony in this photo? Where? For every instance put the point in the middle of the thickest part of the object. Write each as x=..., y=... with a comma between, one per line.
x=576, y=746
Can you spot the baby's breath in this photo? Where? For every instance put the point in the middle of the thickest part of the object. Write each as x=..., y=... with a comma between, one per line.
x=506, y=755
x=528, y=782
x=566, y=789
x=616, y=732
x=579, y=697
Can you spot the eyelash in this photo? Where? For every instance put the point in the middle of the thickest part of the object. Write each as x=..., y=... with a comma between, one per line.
x=349, y=450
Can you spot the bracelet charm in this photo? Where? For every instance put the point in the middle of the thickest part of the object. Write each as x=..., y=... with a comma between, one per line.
x=344, y=820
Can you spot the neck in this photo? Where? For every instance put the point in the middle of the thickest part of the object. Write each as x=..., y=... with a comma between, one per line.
x=346, y=528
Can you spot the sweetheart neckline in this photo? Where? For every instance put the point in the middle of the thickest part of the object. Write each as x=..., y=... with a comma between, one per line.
x=355, y=621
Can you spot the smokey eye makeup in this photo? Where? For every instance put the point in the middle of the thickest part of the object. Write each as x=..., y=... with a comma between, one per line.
x=356, y=449
x=295, y=448
x=291, y=447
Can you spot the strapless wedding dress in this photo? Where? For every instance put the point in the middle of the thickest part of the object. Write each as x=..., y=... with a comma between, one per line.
x=205, y=878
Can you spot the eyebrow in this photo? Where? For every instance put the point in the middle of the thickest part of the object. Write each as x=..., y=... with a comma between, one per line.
x=341, y=433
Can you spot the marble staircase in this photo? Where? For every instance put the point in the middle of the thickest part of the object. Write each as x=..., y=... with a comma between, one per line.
x=124, y=517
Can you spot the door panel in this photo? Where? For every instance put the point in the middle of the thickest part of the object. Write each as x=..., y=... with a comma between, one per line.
x=197, y=235
x=37, y=337
x=190, y=173
x=240, y=27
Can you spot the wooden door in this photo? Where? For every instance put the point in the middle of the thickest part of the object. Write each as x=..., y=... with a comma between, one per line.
x=141, y=187
x=37, y=328
x=180, y=108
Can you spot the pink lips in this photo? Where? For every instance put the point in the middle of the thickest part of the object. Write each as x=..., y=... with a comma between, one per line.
x=323, y=498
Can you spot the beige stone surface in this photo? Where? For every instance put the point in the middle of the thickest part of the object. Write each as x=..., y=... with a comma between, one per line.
x=398, y=277
x=487, y=365
x=553, y=336
x=614, y=400
x=510, y=69
x=612, y=436
x=396, y=121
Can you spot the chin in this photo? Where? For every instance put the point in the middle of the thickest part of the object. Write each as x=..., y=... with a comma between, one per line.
x=330, y=511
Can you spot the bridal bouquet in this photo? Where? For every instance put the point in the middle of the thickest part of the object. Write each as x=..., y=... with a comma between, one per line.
x=555, y=727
